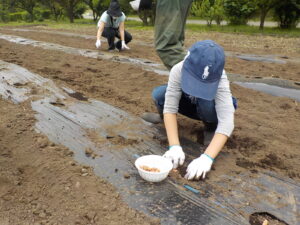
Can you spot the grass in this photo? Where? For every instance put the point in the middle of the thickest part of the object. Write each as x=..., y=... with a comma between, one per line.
x=51, y=23
x=245, y=29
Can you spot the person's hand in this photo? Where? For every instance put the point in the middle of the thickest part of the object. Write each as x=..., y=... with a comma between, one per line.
x=124, y=46
x=135, y=4
x=98, y=44
x=199, y=167
x=176, y=155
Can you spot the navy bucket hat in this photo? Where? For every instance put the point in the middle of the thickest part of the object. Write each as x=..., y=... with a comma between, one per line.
x=202, y=70
x=114, y=9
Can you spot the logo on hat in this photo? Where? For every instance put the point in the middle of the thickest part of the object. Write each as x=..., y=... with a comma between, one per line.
x=206, y=73
x=202, y=70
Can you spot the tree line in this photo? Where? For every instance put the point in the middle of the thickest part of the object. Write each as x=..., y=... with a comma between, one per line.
x=238, y=12
x=30, y=10
x=235, y=12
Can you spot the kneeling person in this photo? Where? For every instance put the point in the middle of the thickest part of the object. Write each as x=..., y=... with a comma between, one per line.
x=199, y=89
x=112, y=25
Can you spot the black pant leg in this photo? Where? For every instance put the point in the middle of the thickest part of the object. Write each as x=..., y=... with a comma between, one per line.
x=127, y=37
x=110, y=33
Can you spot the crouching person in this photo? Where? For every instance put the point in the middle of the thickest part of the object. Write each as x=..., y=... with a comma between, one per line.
x=199, y=89
x=112, y=25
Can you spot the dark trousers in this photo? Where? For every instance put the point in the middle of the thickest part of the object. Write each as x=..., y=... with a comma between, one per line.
x=194, y=108
x=169, y=27
x=111, y=33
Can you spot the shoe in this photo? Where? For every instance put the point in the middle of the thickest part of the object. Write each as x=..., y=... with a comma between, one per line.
x=154, y=118
x=111, y=49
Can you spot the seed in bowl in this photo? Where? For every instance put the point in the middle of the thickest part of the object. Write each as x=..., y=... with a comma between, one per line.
x=150, y=169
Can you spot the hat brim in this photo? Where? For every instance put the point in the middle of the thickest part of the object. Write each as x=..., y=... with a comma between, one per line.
x=192, y=86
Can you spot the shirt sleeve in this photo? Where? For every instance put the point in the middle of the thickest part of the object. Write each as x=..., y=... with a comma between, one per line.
x=224, y=107
x=123, y=17
x=173, y=92
x=103, y=18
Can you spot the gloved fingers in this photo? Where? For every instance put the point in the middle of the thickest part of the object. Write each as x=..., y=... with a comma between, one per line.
x=191, y=174
x=169, y=158
x=98, y=43
x=181, y=161
x=186, y=175
x=192, y=165
x=199, y=173
x=175, y=164
x=124, y=46
x=204, y=173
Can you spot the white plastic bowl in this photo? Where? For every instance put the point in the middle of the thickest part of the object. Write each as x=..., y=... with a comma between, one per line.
x=154, y=161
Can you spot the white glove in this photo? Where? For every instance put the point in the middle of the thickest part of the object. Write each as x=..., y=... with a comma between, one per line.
x=199, y=167
x=176, y=155
x=135, y=4
x=124, y=46
x=98, y=44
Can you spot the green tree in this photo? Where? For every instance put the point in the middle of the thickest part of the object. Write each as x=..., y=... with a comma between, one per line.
x=239, y=11
x=196, y=8
x=55, y=8
x=287, y=13
x=4, y=6
x=264, y=7
x=28, y=6
x=70, y=7
x=207, y=11
x=97, y=6
x=218, y=11
x=147, y=16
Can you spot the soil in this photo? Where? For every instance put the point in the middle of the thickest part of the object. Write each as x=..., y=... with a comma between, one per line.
x=264, y=219
x=40, y=183
x=34, y=188
x=286, y=49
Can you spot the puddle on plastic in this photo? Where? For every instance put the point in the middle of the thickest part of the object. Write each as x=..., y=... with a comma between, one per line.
x=272, y=90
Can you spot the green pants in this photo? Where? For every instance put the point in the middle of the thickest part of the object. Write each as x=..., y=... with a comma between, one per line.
x=169, y=30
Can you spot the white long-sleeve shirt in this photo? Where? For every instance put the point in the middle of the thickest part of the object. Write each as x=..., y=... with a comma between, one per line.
x=223, y=100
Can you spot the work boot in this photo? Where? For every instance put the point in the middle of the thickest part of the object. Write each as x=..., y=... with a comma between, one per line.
x=154, y=118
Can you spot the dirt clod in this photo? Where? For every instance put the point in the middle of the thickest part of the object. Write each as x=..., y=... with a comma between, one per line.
x=126, y=175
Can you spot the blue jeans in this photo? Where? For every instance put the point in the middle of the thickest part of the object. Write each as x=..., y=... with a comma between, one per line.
x=194, y=108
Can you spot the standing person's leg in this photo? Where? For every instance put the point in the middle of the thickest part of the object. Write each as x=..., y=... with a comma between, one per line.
x=169, y=30
x=127, y=37
x=110, y=34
